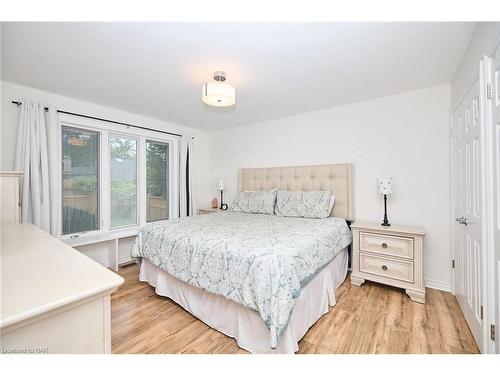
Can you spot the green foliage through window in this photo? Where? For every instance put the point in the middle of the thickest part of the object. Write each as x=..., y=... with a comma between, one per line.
x=157, y=180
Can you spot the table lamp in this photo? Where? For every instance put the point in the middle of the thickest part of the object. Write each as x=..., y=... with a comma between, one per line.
x=384, y=187
x=221, y=184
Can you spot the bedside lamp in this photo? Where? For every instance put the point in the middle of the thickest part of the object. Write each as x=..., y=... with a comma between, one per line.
x=384, y=187
x=221, y=184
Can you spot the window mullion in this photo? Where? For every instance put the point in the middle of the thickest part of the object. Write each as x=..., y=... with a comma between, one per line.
x=104, y=191
x=173, y=180
x=141, y=181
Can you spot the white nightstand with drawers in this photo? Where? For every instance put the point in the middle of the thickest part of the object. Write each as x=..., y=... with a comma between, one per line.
x=389, y=255
x=209, y=210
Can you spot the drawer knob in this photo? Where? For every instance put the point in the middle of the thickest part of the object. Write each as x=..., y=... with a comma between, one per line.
x=384, y=267
x=384, y=245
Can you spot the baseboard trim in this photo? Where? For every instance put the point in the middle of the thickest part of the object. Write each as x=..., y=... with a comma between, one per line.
x=439, y=285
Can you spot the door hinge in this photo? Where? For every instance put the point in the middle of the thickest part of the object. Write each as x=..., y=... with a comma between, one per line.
x=482, y=313
x=492, y=332
x=489, y=93
x=453, y=263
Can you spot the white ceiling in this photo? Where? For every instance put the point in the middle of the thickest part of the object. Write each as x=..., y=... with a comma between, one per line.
x=157, y=69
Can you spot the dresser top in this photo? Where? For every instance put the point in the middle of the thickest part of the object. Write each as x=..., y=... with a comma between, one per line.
x=39, y=273
x=11, y=173
x=393, y=229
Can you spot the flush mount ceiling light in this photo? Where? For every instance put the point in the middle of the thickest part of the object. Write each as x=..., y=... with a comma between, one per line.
x=218, y=93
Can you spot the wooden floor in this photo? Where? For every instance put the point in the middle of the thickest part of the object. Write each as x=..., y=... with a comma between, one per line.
x=367, y=319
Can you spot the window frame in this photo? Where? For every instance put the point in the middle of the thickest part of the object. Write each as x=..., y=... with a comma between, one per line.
x=146, y=176
x=137, y=166
x=98, y=177
x=105, y=129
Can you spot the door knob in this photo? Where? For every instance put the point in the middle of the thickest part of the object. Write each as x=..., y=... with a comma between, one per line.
x=462, y=220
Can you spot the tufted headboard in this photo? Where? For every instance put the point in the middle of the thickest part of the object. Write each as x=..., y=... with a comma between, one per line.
x=339, y=178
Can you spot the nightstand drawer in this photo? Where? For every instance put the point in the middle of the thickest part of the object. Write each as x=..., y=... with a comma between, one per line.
x=399, y=270
x=386, y=245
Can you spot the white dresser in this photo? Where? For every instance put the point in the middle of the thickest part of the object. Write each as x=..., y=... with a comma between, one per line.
x=389, y=255
x=54, y=299
x=10, y=208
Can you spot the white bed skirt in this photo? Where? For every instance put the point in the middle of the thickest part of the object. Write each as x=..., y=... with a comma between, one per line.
x=244, y=324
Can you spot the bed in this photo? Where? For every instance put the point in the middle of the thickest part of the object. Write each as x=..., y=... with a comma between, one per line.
x=262, y=279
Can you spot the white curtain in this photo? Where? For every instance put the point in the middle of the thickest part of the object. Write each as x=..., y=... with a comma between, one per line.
x=32, y=158
x=55, y=183
x=186, y=199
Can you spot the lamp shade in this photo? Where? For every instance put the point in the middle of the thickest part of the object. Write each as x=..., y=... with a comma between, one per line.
x=221, y=184
x=218, y=94
x=384, y=185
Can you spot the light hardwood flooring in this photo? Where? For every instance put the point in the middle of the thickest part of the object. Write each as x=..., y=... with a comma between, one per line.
x=368, y=319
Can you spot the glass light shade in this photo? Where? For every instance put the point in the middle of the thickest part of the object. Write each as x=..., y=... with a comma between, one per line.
x=218, y=94
x=384, y=185
x=221, y=184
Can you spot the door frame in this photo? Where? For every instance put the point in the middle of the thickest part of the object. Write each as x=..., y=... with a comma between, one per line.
x=485, y=189
x=491, y=310
x=490, y=271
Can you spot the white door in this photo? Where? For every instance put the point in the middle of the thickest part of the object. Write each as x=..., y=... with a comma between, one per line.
x=493, y=163
x=467, y=232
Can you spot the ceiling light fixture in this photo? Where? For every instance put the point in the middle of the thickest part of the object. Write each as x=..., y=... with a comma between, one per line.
x=217, y=93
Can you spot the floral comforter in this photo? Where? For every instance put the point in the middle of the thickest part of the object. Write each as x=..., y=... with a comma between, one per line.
x=260, y=261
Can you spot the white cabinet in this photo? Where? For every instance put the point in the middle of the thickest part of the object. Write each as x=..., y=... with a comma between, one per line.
x=389, y=255
x=10, y=209
x=54, y=299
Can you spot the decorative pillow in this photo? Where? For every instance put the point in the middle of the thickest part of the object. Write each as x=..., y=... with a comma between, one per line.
x=255, y=202
x=332, y=203
x=310, y=204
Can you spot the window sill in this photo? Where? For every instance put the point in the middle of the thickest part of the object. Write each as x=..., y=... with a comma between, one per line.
x=98, y=236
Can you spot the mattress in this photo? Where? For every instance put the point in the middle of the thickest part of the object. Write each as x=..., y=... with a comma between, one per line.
x=246, y=325
x=259, y=261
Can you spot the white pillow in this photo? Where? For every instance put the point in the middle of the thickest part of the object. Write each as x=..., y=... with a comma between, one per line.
x=332, y=203
x=255, y=202
x=309, y=204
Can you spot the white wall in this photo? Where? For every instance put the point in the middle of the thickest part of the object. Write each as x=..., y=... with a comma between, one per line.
x=8, y=135
x=482, y=40
x=405, y=136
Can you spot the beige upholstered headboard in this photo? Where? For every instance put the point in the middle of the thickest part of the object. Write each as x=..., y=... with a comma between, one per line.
x=339, y=178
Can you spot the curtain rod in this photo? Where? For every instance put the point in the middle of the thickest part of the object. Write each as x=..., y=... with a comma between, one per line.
x=19, y=103
x=112, y=121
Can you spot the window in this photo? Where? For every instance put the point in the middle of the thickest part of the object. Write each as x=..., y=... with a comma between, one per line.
x=80, y=180
x=123, y=180
x=157, y=180
x=114, y=179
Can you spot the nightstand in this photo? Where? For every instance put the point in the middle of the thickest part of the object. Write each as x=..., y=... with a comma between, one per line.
x=389, y=255
x=210, y=210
